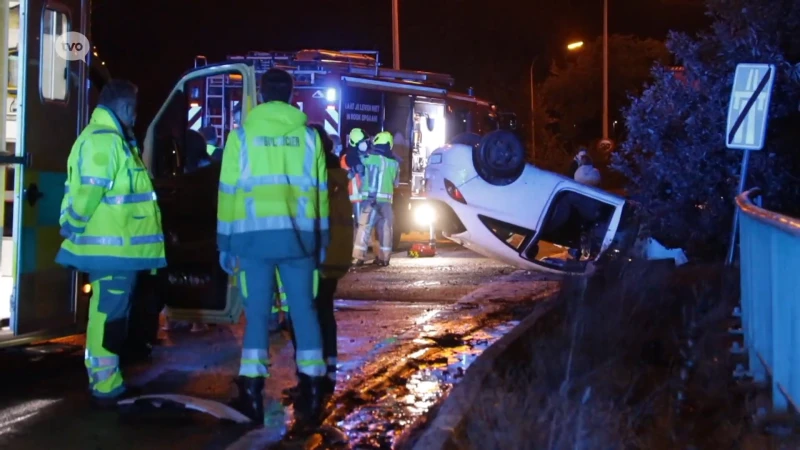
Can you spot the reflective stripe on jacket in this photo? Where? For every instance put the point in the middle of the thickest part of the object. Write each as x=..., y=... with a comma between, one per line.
x=273, y=199
x=383, y=175
x=109, y=215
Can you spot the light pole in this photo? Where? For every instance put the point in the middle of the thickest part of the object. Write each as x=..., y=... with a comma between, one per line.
x=605, y=70
x=396, y=34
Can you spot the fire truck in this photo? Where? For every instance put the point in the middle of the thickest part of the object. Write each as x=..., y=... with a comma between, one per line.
x=342, y=90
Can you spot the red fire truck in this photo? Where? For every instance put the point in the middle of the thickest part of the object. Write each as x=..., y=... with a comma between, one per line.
x=343, y=90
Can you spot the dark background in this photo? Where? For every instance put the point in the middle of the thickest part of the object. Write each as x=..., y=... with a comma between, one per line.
x=485, y=44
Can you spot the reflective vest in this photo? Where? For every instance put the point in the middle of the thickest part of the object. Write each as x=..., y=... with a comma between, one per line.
x=383, y=175
x=273, y=199
x=109, y=215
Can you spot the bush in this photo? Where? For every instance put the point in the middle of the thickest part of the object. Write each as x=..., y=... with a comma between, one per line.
x=604, y=371
x=675, y=156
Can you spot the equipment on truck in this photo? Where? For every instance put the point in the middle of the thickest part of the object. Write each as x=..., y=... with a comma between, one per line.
x=343, y=90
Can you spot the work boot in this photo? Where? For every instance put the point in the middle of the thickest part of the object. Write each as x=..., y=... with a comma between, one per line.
x=290, y=394
x=109, y=403
x=358, y=262
x=381, y=263
x=309, y=404
x=250, y=400
x=328, y=388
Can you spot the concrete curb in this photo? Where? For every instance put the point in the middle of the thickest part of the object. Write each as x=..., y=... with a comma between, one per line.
x=439, y=433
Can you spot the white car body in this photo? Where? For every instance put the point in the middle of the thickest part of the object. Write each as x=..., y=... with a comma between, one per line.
x=523, y=203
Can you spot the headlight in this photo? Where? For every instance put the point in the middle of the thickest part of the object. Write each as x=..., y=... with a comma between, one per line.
x=424, y=214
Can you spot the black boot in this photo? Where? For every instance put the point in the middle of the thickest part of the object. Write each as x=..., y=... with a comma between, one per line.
x=328, y=388
x=250, y=400
x=309, y=404
x=108, y=403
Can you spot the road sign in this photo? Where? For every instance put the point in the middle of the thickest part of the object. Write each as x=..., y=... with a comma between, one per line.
x=748, y=109
x=605, y=145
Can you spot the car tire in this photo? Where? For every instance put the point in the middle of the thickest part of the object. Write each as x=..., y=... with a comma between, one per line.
x=499, y=159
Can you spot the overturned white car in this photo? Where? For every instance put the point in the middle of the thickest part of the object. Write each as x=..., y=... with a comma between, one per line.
x=491, y=201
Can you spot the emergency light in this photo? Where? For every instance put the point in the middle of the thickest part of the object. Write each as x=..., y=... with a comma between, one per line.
x=331, y=95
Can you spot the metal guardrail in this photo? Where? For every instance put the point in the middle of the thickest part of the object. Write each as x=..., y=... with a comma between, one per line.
x=770, y=297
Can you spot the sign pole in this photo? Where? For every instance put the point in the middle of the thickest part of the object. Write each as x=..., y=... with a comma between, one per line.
x=748, y=115
x=742, y=178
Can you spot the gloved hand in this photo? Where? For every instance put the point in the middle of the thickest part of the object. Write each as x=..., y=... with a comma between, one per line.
x=227, y=262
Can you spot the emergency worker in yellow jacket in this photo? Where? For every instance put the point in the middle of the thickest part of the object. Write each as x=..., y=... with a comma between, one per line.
x=383, y=172
x=112, y=228
x=273, y=214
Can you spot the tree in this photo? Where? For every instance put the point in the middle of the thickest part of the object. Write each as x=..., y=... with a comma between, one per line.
x=675, y=156
x=575, y=93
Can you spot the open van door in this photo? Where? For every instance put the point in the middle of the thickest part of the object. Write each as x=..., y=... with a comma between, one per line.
x=193, y=286
x=49, y=118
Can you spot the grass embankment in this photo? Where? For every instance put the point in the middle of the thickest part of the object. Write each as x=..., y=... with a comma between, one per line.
x=634, y=361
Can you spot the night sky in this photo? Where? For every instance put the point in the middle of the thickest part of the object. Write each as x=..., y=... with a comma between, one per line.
x=485, y=44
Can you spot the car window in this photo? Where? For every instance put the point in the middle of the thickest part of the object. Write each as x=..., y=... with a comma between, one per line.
x=511, y=235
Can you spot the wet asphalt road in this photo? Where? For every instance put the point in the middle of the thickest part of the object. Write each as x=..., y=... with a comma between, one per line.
x=403, y=337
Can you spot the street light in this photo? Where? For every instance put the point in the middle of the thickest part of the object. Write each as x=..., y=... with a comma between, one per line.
x=575, y=45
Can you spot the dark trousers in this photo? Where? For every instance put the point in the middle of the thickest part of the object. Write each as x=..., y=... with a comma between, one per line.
x=146, y=305
x=327, y=322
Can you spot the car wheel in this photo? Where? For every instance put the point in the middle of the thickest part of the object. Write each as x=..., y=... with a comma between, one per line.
x=499, y=159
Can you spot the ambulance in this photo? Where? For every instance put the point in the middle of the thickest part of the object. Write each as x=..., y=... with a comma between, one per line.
x=45, y=104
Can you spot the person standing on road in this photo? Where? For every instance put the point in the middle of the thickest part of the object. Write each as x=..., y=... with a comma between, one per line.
x=273, y=214
x=352, y=162
x=383, y=172
x=335, y=266
x=112, y=225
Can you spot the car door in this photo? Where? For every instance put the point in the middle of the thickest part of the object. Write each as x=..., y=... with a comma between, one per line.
x=50, y=115
x=193, y=286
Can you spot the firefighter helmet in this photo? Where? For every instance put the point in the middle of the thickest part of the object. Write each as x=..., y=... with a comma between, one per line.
x=383, y=138
x=357, y=138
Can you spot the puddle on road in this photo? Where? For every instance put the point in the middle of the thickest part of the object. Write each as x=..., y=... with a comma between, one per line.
x=424, y=379
x=420, y=283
